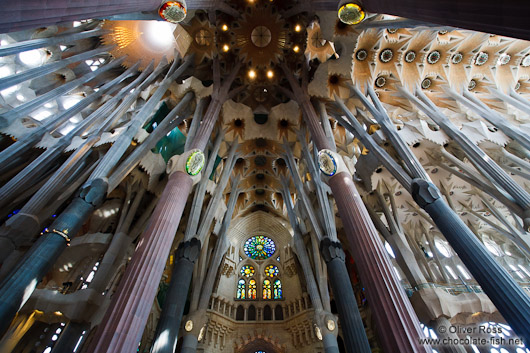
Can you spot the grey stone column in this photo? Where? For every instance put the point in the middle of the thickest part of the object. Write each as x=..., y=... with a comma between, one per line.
x=330, y=343
x=507, y=296
x=189, y=344
x=17, y=287
x=349, y=316
x=173, y=309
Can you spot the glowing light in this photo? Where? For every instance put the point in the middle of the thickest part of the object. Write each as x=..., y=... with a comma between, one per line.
x=463, y=271
x=226, y=48
x=21, y=97
x=296, y=49
x=389, y=250
x=252, y=74
x=224, y=28
x=451, y=272
x=270, y=74
x=160, y=34
x=297, y=28
x=42, y=115
x=5, y=71
x=33, y=57
x=70, y=102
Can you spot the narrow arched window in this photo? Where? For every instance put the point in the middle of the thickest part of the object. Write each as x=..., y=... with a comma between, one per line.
x=251, y=314
x=252, y=289
x=278, y=312
x=267, y=289
x=277, y=289
x=267, y=313
x=241, y=289
x=240, y=313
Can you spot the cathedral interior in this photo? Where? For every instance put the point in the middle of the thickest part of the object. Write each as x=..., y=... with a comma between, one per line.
x=264, y=176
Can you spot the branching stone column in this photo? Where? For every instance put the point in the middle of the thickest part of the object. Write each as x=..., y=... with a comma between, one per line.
x=350, y=318
x=17, y=287
x=173, y=309
x=509, y=298
x=121, y=328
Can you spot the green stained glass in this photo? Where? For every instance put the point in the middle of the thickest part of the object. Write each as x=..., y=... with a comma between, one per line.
x=267, y=289
x=252, y=289
x=271, y=271
x=247, y=271
x=241, y=289
x=259, y=247
x=278, y=289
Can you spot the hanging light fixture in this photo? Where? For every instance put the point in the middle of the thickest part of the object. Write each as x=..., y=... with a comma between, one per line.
x=173, y=11
x=350, y=13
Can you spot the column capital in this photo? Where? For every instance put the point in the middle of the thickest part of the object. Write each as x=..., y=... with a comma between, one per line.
x=188, y=250
x=94, y=193
x=424, y=192
x=331, y=250
x=190, y=163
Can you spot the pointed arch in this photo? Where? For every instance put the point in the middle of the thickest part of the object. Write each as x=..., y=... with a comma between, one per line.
x=267, y=313
x=241, y=285
x=278, y=291
x=267, y=291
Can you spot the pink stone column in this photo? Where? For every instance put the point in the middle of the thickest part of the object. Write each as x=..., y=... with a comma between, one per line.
x=121, y=329
x=397, y=323
x=17, y=15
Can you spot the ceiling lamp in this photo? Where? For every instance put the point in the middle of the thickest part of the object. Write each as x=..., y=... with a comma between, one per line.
x=350, y=13
x=173, y=11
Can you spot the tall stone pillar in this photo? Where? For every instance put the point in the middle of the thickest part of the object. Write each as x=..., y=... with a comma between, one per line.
x=397, y=324
x=122, y=327
x=349, y=316
x=509, y=298
x=173, y=309
x=17, y=15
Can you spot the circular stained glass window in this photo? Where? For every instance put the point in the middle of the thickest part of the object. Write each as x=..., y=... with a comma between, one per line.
x=247, y=271
x=271, y=271
x=259, y=247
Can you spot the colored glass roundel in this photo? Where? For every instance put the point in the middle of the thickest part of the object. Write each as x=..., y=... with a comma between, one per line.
x=259, y=247
x=194, y=163
x=247, y=271
x=271, y=271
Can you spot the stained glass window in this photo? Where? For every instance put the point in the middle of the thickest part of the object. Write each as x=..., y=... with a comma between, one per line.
x=267, y=293
x=271, y=271
x=252, y=289
x=277, y=289
x=259, y=247
x=247, y=271
x=241, y=289
x=261, y=352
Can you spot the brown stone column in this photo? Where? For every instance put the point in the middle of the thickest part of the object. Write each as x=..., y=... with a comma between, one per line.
x=397, y=324
x=122, y=327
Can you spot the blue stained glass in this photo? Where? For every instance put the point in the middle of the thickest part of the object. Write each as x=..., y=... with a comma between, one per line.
x=277, y=289
x=241, y=289
x=259, y=247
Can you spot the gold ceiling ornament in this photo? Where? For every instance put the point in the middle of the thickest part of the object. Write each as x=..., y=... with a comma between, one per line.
x=317, y=46
x=203, y=39
x=136, y=40
x=261, y=36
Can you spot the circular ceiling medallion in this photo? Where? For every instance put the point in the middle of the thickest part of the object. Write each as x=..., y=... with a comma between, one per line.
x=351, y=14
x=426, y=83
x=433, y=57
x=481, y=58
x=410, y=56
x=457, y=58
x=472, y=84
x=189, y=326
x=361, y=55
x=526, y=61
x=261, y=36
x=386, y=55
x=380, y=82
